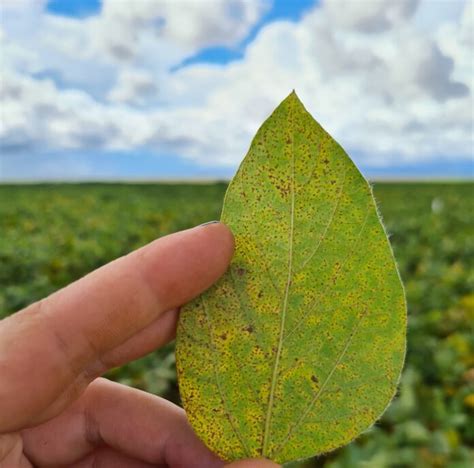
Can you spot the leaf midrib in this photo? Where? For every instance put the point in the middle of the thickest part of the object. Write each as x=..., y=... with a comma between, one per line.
x=287, y=290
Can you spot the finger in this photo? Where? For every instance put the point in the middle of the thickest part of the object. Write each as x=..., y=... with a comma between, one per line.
x=137, y=424
x=50, y=351
x=11, y=451
x=109, y=458
x=153, y=336
x=145, y=341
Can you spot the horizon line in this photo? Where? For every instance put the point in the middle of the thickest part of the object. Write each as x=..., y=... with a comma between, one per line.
x=210, y=180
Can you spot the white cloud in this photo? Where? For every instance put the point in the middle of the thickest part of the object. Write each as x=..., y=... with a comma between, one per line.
x=388, y=89
x=192, y=24
x=123, y=28
x=370, y=16
x=22, y=5
x=36, y=113
x=134, y=86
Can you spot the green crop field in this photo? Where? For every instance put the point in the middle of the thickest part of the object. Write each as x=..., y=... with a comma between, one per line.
x=51, y=235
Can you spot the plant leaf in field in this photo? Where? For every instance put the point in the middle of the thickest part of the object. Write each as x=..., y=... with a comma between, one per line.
x=299, y=347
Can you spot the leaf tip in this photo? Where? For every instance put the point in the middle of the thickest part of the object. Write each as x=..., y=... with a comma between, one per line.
x=293, y=97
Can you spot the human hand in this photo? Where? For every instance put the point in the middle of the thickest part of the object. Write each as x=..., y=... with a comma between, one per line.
x=55, y=410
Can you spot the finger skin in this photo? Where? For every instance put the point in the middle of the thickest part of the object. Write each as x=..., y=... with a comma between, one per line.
x=53, y=349
x=145, y=341
x=108, y=458
x=11, y=452
x=142, y=426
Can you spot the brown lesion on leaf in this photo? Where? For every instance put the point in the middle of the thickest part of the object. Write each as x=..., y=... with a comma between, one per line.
x=223, y=336
x=282, y=185
x=241, y=271
x=249, y=329
x=314, y=379
x=328, y=336
x=284, y=190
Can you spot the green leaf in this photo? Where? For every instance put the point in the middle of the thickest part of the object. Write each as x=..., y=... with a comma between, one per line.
x=299, y=347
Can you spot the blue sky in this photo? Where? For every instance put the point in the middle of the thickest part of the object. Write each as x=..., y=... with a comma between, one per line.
x=96, y=90
x=74, y=8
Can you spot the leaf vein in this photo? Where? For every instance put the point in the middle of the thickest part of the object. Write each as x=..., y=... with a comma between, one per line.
x=312, y=307
x=320, y=392
x=328, y=224
x=266, y=436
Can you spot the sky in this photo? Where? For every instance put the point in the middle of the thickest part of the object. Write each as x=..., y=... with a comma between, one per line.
x=159, y=89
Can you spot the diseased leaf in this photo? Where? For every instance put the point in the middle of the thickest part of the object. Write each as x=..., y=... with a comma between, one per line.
x=299, y=347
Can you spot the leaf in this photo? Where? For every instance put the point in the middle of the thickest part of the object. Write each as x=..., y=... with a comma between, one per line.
x=299, y=347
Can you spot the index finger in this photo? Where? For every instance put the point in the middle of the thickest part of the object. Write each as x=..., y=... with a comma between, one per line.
x=50, y=351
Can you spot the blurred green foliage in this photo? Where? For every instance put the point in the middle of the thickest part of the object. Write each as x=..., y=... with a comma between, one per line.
x=51, y=235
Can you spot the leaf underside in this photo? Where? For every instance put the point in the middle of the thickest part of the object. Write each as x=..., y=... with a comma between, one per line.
x=299, y=346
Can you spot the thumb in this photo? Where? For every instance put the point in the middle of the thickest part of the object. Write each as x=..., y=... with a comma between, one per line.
x=52, y=350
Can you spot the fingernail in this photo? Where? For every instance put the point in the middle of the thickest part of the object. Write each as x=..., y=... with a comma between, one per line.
x=209, y=222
